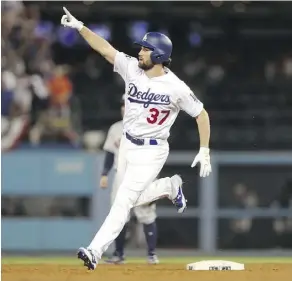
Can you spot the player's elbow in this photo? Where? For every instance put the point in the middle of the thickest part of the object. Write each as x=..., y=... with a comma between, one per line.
x=203, y=120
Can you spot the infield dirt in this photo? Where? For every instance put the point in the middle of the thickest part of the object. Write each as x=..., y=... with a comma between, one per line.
x=132, y=272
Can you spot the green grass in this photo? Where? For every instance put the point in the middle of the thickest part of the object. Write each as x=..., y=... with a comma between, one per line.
x=179, y=260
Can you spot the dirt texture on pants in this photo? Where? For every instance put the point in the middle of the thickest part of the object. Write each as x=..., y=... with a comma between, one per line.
x=132, y=272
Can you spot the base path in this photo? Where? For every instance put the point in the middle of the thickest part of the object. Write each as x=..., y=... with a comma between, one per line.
x=132, y=272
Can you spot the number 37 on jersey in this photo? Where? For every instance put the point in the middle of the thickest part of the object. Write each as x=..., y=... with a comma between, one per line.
x=157, y=116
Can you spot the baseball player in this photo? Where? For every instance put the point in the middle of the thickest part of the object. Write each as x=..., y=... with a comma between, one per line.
x=145, y=214
x=154, y=97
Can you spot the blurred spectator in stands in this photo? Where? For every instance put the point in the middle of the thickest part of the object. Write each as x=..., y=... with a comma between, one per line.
x=287, y=66
x=244, y=198
x=284, y=199
x=11, y=15
x=8, y=107
x=193, y=66
x=270, y=71
x=61, y=120
x=12, y=207
x=17, y=95
x=19, y=83
x=283, y=226
x=14, y=120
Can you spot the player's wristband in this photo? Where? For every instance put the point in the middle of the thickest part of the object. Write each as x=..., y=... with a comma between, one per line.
x=108, y=163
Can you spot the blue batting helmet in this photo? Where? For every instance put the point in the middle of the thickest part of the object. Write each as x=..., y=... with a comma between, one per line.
x=160, y=45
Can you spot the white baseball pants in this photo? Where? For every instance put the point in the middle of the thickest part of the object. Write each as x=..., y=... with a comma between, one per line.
x=145, y=214
x=138, y=166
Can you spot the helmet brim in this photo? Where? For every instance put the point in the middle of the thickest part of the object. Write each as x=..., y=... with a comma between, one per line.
x=144, y=44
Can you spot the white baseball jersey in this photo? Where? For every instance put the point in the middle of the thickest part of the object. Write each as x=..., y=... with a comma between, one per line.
x=152, y=104
x=113, y=139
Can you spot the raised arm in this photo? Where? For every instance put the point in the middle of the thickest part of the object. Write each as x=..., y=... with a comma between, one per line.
x=95, y=41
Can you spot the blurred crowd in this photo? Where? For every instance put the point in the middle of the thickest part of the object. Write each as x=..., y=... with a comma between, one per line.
x=50, y=76
x=46, y=206
x=254, y=232
x=37, y=96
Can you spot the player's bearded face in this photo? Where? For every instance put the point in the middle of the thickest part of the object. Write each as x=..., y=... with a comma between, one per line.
x=145, y=62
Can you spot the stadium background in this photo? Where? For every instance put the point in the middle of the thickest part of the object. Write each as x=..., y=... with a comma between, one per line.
x=59, y=98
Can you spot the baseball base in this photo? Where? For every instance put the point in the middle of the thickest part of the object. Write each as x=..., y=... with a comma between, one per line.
x=215, y=265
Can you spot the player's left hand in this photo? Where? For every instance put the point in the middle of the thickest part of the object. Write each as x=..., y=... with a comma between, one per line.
x=103, y=182
x=204, y=158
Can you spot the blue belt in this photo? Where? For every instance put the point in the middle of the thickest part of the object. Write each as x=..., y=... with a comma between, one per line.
x=140, y=141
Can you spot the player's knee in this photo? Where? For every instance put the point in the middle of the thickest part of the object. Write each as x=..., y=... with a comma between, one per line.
x=125, y=199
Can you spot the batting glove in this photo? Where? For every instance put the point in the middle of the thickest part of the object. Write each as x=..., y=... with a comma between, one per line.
x=204, y=158
x=69, y=21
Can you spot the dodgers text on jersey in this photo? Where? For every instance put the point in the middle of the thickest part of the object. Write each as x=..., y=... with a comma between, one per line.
x=146, y=98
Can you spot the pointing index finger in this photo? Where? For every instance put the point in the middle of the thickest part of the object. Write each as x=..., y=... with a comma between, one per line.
x=67, y=12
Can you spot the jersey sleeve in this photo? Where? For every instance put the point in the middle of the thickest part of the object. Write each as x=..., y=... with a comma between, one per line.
x=189, y=103
x=124, y=65
x=109, y=144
